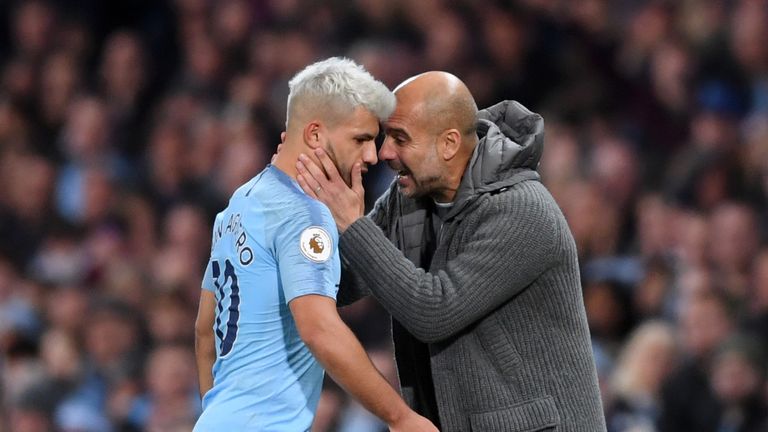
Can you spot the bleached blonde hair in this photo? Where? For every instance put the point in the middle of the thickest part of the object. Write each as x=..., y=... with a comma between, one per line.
x=333, y=88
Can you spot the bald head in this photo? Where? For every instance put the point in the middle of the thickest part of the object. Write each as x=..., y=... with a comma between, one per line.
x=442, y=101
x=430, y=137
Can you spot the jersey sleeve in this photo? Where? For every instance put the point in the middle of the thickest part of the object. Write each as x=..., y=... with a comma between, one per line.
x=306, y=248
x=207, y=282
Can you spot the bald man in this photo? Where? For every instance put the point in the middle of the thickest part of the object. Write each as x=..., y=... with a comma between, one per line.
x=473, y=258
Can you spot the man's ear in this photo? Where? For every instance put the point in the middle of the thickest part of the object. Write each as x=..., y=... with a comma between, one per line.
x=313, y=134
x=450, y=143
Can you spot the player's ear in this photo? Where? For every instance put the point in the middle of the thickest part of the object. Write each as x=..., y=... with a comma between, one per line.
x=313, y=133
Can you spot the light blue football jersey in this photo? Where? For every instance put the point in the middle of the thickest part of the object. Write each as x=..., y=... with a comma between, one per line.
x=271, y=244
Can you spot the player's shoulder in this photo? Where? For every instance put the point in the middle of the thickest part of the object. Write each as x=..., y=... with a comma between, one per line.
x=274, y=197
x=306, y=211
x=219, y=216
x=311, y=227
x=293, y=201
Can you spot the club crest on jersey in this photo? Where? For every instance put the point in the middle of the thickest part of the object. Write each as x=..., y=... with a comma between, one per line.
x=315, y=244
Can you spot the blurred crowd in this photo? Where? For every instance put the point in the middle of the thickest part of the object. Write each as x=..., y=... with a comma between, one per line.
x=125, y=125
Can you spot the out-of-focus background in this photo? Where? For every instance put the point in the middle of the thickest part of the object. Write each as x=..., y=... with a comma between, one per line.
x=126, y=124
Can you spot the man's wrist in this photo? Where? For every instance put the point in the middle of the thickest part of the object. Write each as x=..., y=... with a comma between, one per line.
x=343, y=226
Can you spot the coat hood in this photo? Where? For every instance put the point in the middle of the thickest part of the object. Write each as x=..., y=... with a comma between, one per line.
x=511, y=140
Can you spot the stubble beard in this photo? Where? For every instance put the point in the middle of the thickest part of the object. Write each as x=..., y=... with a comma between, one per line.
x=345, y=174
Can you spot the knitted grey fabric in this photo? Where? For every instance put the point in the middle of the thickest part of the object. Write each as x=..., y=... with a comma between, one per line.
x=501, y=306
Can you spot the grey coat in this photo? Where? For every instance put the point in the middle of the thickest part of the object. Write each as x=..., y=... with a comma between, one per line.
x=500, y=307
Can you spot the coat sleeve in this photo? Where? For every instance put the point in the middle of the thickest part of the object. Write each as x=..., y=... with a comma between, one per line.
x=511, y=243
x=352, y=287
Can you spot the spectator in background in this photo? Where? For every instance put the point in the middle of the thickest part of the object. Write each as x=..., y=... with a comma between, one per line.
x=749, y=30
x=34, y=25
x=28, y=416
x=171, y=400
x=19, y=321
x=28, y=183
x=738, y=381
x=644, y=363
x=735, y=240
x=757, y=315
x=113, y=355
x=705, y=173
x=166, y=165
x=124, y=83
x=59, y=84
x=609, y=313
x=168, y=319
x=66, y=309
x=91, y=162
x=63, y=367
x=688, y=401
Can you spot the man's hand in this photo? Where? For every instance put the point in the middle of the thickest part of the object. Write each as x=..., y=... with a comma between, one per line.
x=346, y=204
x=413, y=422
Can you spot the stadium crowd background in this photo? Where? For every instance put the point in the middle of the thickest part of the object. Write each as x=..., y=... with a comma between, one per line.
x=125, y=125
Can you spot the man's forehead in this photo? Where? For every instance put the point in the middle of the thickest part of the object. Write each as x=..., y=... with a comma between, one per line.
x=406, y=117
x=393, y=126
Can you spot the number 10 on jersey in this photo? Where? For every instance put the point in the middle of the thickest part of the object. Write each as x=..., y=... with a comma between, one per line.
x=226, y=340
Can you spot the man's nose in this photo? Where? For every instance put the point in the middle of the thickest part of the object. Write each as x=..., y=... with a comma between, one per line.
x=386, y=152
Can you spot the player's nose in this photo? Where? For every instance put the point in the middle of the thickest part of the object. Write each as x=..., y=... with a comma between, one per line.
x=369, y=154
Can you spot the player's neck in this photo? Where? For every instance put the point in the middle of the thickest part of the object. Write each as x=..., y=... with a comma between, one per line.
x=286, y=161
x=289, y=155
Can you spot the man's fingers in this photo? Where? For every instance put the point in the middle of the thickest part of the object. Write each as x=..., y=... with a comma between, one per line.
x=311, y=170
x=328, y=165
x=309, y=179
x=305, y=186
x=357, y=179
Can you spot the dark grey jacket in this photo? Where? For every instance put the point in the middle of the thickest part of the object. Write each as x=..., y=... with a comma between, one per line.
x=500, y=307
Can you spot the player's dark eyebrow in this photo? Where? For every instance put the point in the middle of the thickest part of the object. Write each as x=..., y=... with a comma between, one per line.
x=364, y=137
